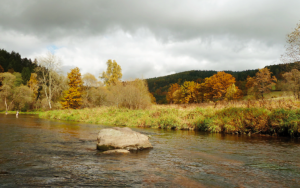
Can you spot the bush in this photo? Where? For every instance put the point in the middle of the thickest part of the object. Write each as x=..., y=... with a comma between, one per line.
x=132, y=95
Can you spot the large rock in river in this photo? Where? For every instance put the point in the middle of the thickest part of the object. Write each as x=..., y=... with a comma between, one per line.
x=122, y=138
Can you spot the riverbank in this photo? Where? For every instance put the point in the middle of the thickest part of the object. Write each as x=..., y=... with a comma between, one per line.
x=233, y=120
x=14, y=112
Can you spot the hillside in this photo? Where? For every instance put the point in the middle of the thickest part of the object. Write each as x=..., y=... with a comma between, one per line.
x=158, y=86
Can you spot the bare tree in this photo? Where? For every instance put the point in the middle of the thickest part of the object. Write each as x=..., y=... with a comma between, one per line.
x=292, y=54
x=47, y=70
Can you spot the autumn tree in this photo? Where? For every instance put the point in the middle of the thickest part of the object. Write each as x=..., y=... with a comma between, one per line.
x=216, y=85
x=113, y=73
x=89, y=80
x=33, y=84
x=293, y=82
x=72, y=98
x=231, y=90
x=98, y=97
x=153, y=99
x=189, y=92
x=93, y=93
x=263, y=82
x=47, y=70
x=171, y=90
x=177, y=96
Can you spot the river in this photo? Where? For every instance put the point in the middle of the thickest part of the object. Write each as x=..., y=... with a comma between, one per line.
x=39, y=152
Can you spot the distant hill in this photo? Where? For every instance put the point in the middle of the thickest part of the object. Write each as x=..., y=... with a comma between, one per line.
x=159, y=86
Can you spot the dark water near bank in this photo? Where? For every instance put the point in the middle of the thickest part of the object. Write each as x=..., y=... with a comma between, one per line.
x=39, y=152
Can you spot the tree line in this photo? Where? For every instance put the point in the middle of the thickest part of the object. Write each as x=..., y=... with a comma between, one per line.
x=47, y=89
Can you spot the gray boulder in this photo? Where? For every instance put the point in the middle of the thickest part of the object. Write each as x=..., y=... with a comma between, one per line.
x=121, y=138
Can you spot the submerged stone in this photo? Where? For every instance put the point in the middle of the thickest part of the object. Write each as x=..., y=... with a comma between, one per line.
x=121, y=138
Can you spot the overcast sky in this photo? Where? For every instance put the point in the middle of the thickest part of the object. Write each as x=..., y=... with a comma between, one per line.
x=150, y=38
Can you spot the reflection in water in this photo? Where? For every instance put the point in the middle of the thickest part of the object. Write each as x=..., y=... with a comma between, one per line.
x=38, y=152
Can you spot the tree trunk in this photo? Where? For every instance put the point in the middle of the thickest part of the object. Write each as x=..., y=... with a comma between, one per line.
x=6, y=105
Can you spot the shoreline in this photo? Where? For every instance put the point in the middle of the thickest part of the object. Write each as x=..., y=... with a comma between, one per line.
x=232, y=120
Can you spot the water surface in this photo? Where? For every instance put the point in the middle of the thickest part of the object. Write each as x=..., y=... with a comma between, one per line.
x=39, y=152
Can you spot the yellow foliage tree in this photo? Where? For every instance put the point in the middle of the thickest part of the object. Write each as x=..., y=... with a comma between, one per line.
x=113, y=73
x=189, y=92
x=171, y=90
x=33, y=84
x=72, y=98
x=216, y=85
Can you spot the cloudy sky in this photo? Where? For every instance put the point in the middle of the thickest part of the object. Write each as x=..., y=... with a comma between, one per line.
x=150, y=38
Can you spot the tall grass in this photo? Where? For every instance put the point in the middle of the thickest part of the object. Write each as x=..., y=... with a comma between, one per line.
x=272, y=117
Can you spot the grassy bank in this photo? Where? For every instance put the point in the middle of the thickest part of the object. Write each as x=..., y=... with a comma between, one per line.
x=234, y=120
x=14, y=112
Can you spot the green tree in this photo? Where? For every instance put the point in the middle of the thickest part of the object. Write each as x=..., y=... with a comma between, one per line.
x=6, y=91
x=72, y=98
x=18, y=80
x=113, y=73
x=12, y=93
x=22, y=95
x=26, y=75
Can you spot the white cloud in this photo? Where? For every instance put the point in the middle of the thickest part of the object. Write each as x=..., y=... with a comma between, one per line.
x=150, y=38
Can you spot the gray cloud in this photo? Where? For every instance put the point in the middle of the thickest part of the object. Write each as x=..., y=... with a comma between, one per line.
x=151, y=38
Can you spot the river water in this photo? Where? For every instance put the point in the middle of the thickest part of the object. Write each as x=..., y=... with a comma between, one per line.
x=39, y=152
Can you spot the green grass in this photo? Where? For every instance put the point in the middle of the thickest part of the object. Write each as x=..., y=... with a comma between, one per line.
x=233, y=120
x=14, y=112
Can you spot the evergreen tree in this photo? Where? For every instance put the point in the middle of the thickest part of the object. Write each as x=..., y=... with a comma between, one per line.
x=26, y=75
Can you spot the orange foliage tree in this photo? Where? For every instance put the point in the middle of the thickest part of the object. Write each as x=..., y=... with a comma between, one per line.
x=216, y=85
x=171, y=90
x=72, y=98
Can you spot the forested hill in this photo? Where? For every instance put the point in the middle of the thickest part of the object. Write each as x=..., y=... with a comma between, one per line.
x=13, y=62
x=159, y=86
